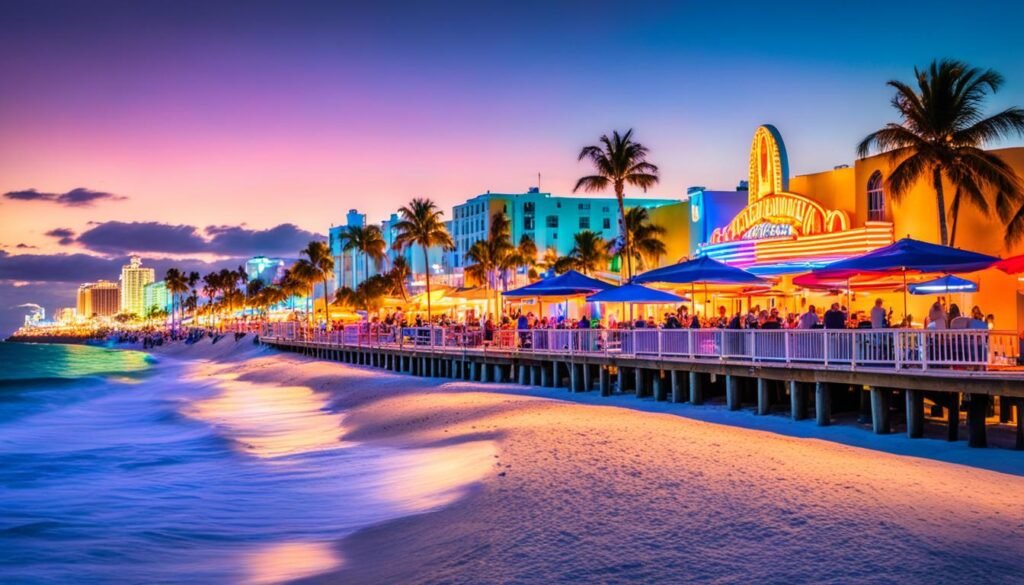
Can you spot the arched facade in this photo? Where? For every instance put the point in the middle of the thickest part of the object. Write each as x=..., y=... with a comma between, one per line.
x=876, y=204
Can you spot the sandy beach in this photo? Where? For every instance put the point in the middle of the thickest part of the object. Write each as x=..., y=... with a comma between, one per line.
x=606, y=491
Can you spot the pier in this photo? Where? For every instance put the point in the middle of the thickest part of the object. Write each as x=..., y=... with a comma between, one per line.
x=884, y=377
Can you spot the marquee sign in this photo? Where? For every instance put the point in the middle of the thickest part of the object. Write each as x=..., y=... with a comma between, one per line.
x=772, y=212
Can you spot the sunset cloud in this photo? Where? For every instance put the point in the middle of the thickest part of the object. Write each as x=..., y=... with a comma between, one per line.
x=79, y=197
x=117, y=237
x=65, y=236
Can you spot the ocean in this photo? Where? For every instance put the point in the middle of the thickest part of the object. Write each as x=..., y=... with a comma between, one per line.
x=118, y=467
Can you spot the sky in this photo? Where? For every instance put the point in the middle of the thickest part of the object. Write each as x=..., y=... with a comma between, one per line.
x=198, y=133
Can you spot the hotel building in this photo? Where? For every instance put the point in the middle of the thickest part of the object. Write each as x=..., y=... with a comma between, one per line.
x=266, y=270
x=155, y=297
x=550, y=221
x=98, y=299
x=133, y=278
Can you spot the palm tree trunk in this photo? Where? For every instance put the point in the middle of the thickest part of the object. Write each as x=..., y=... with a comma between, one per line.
x=626, y=254
x=426, y=274
x=327, y=311
x=940, y=200
x=954, y=212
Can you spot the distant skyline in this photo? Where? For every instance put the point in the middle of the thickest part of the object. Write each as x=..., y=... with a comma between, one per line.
x=216, y=131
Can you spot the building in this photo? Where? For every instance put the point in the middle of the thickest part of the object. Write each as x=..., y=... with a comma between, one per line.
x=550, y=221
x=133, y=278
x=348, y=265
x=266, y=270
x=783, y=226
x=98, y=299
x=66, y=315
x=155, y=297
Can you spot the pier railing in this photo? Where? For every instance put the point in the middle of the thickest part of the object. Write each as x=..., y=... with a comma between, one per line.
x=850, y=348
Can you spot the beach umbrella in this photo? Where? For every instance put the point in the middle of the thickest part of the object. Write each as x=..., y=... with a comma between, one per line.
x=636, y=294
x=946, y=284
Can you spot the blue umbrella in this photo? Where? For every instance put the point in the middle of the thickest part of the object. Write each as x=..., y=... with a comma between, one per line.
x=945, y=284
x=703, y=269
x=571, y=283
x=634, y=293
x=909, y=255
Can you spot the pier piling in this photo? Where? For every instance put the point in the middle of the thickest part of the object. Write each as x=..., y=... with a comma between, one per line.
x=822, y=404
x=977, y=410
x=764, y=401
x=881, y=399
x=732, y=392
x=604, y=380
x=915, y=414
x=696, y=390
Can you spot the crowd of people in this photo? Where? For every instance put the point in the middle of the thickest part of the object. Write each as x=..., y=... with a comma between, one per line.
x=835, y=316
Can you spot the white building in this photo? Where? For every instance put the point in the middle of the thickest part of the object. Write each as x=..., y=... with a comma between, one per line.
x=133, y=280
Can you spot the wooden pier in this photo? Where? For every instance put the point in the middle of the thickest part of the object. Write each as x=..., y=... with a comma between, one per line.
x=881, y=394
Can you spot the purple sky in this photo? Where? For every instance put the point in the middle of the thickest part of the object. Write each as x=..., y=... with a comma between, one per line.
x=195, y=114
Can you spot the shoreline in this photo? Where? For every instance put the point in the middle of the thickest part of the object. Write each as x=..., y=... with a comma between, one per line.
x=627, y=492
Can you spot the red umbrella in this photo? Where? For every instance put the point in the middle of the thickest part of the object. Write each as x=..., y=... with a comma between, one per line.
x=1014, y=265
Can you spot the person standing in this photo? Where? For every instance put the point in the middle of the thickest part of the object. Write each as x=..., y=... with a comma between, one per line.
x=878, y=315
x=835, y=318
x=808, y=320
x=936, y=316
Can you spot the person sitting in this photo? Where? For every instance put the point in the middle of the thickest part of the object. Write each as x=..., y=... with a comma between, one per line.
x=835, y=318
x=956, y=320
x=584, y=323
x=723, y=320
x=673, y=322
x=772, y=320
x=651, y=324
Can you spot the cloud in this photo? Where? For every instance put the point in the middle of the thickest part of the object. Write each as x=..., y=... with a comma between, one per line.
x=24, y=246
x=78, y=197
x=283, y=239
x=65, y=236
x=117, y=237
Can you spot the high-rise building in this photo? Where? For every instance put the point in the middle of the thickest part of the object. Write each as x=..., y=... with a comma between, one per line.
x=155, y=296
x=99, y=299
x=266, y=270
x=133, y=278
x=65, y=315
x=550, y=221
x=348, y=265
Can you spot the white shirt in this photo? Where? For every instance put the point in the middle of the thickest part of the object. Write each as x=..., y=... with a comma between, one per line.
x=807, y=321
x=877, y=317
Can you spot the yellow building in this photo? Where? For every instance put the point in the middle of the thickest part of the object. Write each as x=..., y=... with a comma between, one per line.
x=785, y=226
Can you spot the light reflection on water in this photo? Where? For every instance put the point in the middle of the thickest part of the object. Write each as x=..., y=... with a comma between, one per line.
x=108, y=482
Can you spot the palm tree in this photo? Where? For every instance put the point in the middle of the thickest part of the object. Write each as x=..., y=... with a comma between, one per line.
x=318, y=254
x=193, y=300
x=306, y=275
x=590, y=252
x=940, y=137
x=421, y=225
x=367, y=240
x=618, y=161
x=494, y=255
x=482, y=265
x=644, y=236
x=398, y=274
x=550, y=259
x=211, y=286
x=177, y=284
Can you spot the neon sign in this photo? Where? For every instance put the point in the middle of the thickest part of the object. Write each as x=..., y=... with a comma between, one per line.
x=771, y=211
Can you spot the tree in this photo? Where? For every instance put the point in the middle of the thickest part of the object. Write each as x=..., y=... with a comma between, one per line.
x=940, y=137
x=320, y=266
x=306, y=275
x=421, y=225
x=211, y=286
x=398, y=275
x=368, y=241
x=589, y=252
x=618, y=161
x=177, y=285
x=493, y=255
x=368, y=295
x=645, y=238
x=193, y=300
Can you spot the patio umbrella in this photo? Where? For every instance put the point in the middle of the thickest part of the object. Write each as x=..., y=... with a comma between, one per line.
x=636, y=294
x=1014, y=265
x=571, y=283
x=903, y=256
x=947, y=284
x=701, y=270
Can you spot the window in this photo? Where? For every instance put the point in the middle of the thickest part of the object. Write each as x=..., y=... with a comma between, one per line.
x=584, y=206
x=584, y=223
x=605, y=209
x=876, y=198
x=552, y=221
x=528, y=222
x=606, y=224
x=528, y=207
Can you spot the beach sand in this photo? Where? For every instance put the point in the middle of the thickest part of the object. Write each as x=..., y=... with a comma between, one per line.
x=598, y=493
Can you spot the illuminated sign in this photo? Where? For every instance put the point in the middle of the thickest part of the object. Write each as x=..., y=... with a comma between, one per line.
x=771, y=211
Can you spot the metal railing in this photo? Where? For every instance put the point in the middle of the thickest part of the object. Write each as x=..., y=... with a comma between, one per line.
x=850, y=348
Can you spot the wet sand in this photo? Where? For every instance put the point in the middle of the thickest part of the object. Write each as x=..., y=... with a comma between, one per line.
x=606, y=494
